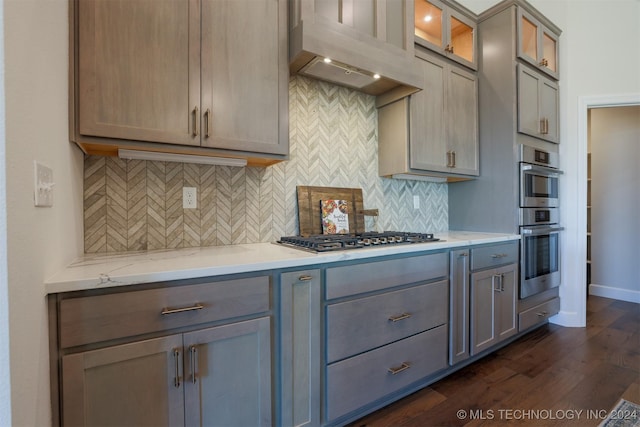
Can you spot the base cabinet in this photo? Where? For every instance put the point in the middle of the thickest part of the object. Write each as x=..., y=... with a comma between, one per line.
x=216, y=376
x=194, y=354
x=300, y=300
x=494, y=301
x=459, y=306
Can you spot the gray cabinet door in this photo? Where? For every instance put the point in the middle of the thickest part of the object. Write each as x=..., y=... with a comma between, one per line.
x=459, y=306
x=138, y=69
x=245, y=80
x=444, y=119
x=132, y=384
x=428, y=135
x=538, y=100
x=493, y=306
x=462, y=121
x=228, y=375
x=300, y=300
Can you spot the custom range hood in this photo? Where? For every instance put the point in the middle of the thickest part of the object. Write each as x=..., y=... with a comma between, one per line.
x=355, y=44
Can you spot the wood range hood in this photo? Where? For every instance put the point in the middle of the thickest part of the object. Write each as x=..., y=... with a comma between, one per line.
x=374, y=57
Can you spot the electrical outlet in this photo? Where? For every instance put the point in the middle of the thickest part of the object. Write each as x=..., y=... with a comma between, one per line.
x=43, y=185
x=416, y=202
x=189, y=198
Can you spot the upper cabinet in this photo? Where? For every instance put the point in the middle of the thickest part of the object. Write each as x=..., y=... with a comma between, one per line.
x=537, y=44
x=433, y=132
x=366, y=45
x=446, y=30
x=538, y=109
x=205, y=77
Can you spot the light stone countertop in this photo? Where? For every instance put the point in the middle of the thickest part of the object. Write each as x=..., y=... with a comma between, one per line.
x=130, y=268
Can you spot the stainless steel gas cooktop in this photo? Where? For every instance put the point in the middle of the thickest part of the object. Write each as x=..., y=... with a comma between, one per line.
x=338, y=242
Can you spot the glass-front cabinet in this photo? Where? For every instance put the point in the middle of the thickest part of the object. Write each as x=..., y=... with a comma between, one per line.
x=537, y=44
x=447, y=31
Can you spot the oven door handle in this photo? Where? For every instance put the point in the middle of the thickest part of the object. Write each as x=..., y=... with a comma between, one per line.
x=538, y=231
x=542, y=170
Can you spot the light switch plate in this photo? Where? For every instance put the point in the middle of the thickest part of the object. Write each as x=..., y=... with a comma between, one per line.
x=43, y=185
x=416, y=202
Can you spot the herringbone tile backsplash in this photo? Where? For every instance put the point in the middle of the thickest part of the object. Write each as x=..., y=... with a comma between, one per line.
x=132, y=205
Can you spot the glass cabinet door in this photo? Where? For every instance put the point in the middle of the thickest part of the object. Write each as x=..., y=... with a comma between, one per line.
x=429, y=23
x=550, y=51
x=462, y=38
x=536, y=44
x=446, y=31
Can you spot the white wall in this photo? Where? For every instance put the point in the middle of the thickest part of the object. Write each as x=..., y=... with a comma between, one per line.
x=599, y=55
x=615, y=201
x=5, y=392
x=40, y=240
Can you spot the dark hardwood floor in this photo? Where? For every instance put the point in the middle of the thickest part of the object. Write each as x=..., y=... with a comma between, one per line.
x=543, y=379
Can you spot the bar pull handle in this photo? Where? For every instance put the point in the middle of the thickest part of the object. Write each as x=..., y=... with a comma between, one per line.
x=502, y=283
x=196, y=116
x=207, y=122
x=453, y=153
x=403, y=367
x=168, y=310
x=497, y=279
x=193, y=354
x=542, y=314
x=305, y=278
x=399, y=317
x=499, y=256
x=176, y=357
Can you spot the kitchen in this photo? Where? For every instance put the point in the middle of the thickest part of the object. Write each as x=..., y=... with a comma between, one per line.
x=35, y=247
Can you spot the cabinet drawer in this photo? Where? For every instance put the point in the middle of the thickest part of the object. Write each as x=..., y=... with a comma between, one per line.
x=103, y=317
x=355, y=279
x=492, y=256
x=538, y=314
x=363, y=379
x=360, y=325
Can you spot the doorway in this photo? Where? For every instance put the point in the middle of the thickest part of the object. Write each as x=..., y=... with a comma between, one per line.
x=613, y=202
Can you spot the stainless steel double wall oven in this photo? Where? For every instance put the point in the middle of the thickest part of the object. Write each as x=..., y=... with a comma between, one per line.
x=539, y=221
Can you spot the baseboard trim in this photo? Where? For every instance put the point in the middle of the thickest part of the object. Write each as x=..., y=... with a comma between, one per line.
x=614, y=293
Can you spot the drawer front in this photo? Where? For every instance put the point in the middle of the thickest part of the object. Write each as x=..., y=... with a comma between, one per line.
x=357, y=326
x=103, y=317
x=362, y=379
x=495, y=255
x=355, y=279
x=538, y=314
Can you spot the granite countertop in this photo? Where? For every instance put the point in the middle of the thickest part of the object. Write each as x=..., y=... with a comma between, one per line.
x=130, y=268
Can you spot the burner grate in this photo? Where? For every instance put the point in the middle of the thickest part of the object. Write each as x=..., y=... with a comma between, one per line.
x=335, y=242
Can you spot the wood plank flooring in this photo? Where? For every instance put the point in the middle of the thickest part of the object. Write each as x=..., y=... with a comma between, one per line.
x=543, y=379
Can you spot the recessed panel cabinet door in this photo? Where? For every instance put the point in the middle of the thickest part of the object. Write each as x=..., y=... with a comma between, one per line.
x=137, y=384
x=228, y=375
x=139, y=69
x=428, y=149
x=245, y=75
x=462, y=116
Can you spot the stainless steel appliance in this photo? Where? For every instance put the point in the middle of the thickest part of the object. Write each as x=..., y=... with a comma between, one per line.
x=539, y=250
x=337, y=242
x=539, y=176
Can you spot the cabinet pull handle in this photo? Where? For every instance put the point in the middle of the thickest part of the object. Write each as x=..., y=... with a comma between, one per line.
x=176, y=357
x=207, y=122
x=403, y=367
x=305, y=278
x=399, y=317
x=449, y=161
x=464, y=255
x=544, y=62
x=193, y=353
x=453, y=153
x=499, y=287
x=502, y=283
x=499, y=256
x=542, y=314
x=168, y=310
x=546, y=126
x=196, y=116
